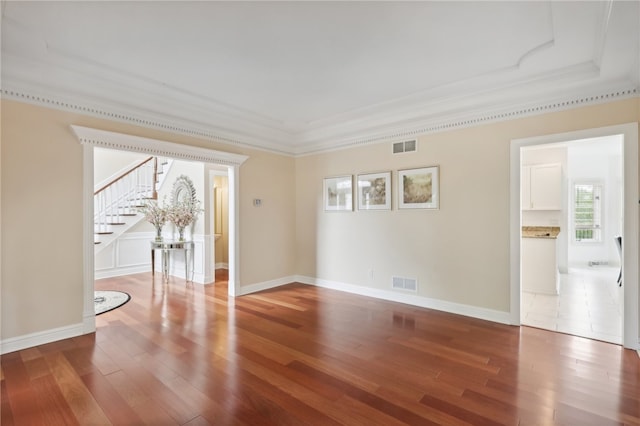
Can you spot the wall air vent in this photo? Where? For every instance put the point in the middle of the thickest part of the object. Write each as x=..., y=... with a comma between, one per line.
x=406, y=284
x=405, y=146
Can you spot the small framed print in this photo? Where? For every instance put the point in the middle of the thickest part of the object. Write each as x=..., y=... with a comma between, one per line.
x=374, y=191
x=338, y=193
x=419, y=188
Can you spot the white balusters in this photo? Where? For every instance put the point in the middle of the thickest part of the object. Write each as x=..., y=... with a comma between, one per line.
x=124, y=195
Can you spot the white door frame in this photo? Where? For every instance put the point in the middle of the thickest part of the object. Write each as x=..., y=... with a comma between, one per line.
x=91, y=138
x=630, y=234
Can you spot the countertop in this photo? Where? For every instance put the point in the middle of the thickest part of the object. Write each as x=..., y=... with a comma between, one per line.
x=549, y=232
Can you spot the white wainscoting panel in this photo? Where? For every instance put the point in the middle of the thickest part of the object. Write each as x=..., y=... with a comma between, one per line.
x=131, y=254
x=105, y=259
x=133, y=250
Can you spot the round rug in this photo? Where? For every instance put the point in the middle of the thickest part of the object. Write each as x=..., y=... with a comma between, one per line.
x=107, y=300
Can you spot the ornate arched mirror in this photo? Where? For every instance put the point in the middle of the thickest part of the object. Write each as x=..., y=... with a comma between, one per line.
x=183, y=191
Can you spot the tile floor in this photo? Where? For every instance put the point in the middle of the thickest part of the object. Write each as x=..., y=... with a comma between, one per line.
x=588, y=305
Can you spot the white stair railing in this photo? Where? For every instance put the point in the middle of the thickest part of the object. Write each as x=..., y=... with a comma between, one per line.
x=125, y=194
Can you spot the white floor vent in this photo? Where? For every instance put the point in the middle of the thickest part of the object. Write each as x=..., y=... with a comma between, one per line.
x=406, y=284
x=405, y=146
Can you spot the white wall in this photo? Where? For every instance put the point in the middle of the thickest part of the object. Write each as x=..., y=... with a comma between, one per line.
x=109, y=163
x=599, y=161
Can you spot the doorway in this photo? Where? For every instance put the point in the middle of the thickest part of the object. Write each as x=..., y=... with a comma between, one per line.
x=587, y=300
x=629, y=218
x=91, y=138
x=219, y=218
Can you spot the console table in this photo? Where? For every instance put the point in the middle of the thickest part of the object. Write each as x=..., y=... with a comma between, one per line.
x=167, y=247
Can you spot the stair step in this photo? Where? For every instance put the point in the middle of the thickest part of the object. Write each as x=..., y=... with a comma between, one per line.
x=113, y=223
x=97, y=242
x=104, y=233
x=124, y=214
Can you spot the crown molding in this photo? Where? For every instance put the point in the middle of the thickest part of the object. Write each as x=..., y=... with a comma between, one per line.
x=31, y=94
x=370, y=133
x=429, y=125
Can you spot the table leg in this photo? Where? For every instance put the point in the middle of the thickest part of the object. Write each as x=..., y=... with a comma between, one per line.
x=187, y=261
x=165, y=264
x=153, y=262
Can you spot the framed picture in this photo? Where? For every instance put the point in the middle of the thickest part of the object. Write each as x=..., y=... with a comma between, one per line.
x=338, y=193
x=419, y=188
x=374, y=191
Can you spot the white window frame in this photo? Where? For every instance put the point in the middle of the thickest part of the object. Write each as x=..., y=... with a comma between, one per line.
x=598, y=228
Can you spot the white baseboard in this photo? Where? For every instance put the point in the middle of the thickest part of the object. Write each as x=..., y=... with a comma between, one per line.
x=13, y=344
x=89, y=324
x=118, y=272
x=411, y=299
x=253, y=288
x=222, y=265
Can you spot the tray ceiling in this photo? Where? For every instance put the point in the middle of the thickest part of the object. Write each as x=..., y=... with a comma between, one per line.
x=299, y=77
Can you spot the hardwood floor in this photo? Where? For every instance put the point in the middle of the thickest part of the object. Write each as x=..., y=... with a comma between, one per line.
x=298, y=355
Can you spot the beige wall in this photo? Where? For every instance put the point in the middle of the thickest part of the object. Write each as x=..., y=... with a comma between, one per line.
x=265, y=229
x=459, y=253
x=42, y=215
x=41, y=222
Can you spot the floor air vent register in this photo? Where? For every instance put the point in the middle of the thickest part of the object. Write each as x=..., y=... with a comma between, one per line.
x=405, y=284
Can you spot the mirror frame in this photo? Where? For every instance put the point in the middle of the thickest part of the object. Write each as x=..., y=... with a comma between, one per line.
x=183, y=190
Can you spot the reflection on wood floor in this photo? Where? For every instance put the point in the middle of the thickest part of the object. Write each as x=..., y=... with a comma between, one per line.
x=181, y=354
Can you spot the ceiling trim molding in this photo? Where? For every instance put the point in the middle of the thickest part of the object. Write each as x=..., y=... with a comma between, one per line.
x=388, y=132
x=470, y=120
x=124, y=142
x=156, y=123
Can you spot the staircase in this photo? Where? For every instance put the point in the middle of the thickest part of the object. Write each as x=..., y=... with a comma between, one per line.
x=116, y=204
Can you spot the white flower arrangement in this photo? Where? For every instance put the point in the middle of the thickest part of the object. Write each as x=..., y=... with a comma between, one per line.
x=154, y=214
x=184, y=213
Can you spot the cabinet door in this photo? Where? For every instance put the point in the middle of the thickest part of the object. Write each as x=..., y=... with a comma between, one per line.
x=546, y=187
x=525, y=193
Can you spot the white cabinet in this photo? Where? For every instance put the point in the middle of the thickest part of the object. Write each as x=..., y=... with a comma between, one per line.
x=539, y=265
x=542, y=187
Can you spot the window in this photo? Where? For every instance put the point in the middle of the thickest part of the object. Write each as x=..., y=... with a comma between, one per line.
x=587, y=212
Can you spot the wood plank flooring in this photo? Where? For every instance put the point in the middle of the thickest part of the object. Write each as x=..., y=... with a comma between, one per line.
x=181, y=354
